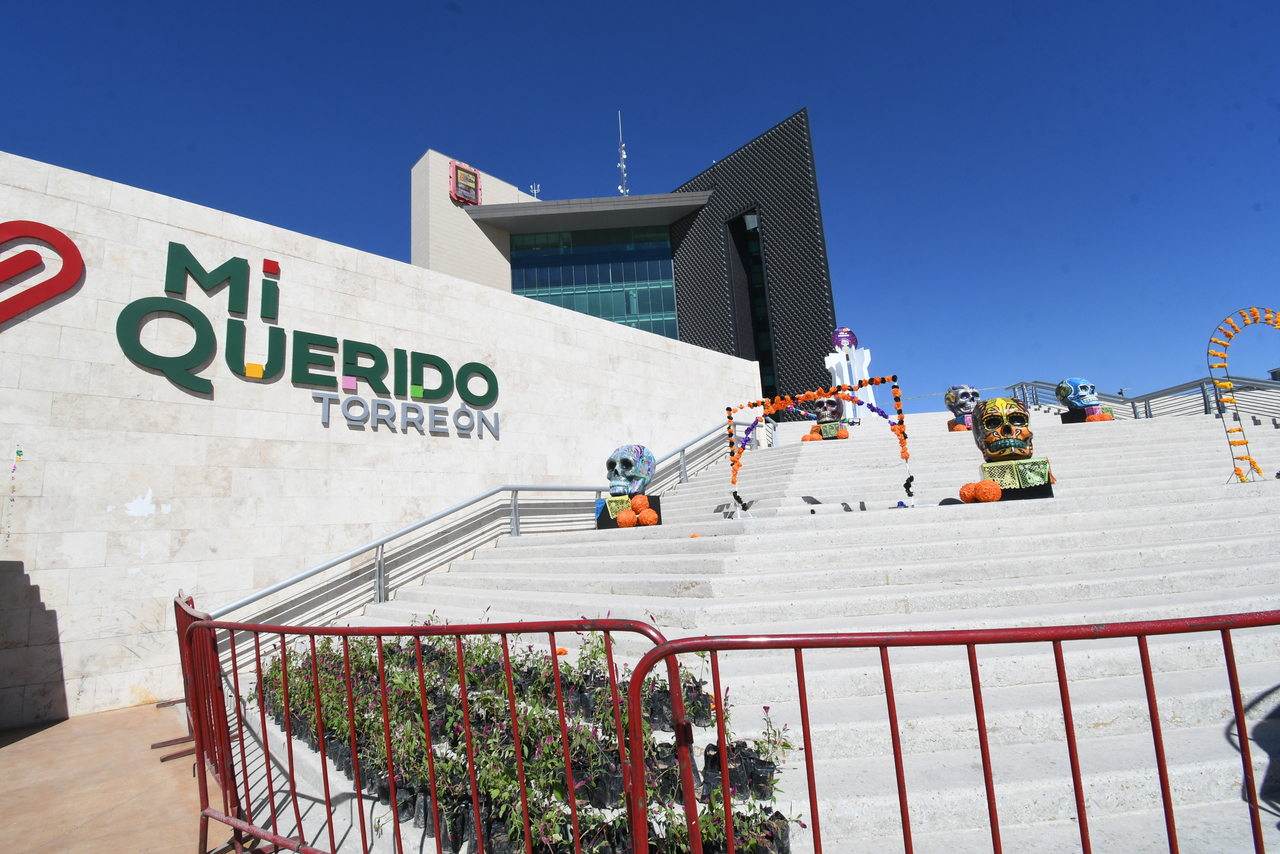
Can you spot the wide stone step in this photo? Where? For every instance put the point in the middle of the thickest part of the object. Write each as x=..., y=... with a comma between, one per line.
x=1045, y=597
x=1095, y=527
x=1032, y=784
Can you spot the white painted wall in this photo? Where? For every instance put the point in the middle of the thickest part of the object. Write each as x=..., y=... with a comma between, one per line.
x=130, y=488
x=445, y=239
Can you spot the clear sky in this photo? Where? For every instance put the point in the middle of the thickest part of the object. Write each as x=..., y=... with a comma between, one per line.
x=1011, y=190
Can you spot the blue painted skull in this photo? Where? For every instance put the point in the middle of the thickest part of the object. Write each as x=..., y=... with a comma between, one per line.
x=629, y=469
x=961, y=400
x=1077, y=393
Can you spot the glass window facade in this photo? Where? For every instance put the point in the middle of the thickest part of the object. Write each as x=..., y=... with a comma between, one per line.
x=619, y=274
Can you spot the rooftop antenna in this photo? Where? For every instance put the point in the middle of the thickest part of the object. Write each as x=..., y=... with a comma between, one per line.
x=534, y=189
x=622, y=158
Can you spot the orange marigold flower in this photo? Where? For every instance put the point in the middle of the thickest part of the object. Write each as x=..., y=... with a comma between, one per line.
x=987, y=490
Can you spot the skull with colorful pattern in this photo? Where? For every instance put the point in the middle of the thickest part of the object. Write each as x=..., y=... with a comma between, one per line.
x=1077, y=393
x=1002, y=429
x=629, y=469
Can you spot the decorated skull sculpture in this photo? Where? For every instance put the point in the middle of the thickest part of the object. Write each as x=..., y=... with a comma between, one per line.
x=829, y=409
x=629, y=469
x=961, y=399
x=1002, y=429
x=1077, y=393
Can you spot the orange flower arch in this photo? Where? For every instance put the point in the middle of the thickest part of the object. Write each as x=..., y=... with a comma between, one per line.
x=1229, y=329
x=841, y=392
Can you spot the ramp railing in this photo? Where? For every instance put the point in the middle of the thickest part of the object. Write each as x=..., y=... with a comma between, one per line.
x=340, y=587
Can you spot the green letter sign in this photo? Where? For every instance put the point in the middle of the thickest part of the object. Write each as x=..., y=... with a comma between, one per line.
x=182, y=262
x=177, y=368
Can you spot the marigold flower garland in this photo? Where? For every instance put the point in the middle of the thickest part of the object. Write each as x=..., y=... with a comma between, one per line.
x=1229, y=329
x=788, y=402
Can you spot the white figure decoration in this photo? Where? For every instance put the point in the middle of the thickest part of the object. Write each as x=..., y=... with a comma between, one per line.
x=848, y=365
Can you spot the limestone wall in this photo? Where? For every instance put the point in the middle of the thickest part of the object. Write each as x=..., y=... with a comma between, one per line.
x=130, y=487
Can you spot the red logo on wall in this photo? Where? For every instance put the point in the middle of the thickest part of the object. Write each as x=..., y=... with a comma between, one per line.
x=29, y=259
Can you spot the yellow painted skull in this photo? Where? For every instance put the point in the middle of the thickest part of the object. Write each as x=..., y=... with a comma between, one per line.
x=1002, y=429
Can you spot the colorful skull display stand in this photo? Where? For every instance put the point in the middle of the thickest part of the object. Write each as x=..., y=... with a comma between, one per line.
x=961, y=400
x=828, y=426
x=1077, y=393
x=1080, y=397
x=1002, y=429
x=629, y=469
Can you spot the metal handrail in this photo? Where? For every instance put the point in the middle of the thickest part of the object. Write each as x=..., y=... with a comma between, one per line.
x=381, y=591
x=1142, y=405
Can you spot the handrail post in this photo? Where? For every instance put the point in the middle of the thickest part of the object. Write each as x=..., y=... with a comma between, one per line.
x=515, y=512
x=1204, y=393
x=379, y=577
x=684, y=472
x=1147, y=405
x=1134, y=405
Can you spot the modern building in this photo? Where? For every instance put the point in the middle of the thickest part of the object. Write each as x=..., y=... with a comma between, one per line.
x=733, y=260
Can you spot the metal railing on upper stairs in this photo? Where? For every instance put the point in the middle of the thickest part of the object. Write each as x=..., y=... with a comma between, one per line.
x=1198, y=397
x=375, y=569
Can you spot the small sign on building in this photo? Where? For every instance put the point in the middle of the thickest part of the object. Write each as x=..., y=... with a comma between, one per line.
x=464, y=183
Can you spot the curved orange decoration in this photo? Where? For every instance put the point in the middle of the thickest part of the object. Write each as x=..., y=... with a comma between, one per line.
x=1221, y=340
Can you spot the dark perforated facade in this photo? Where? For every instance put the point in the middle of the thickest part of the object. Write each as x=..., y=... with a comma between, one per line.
x=772, y=176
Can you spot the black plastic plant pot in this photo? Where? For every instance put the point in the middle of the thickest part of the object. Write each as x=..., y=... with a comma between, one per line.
x=405, y=799
x=609, y=789
x=760, y=777
x=779, y=832
x=697, y=705
x=658, y=709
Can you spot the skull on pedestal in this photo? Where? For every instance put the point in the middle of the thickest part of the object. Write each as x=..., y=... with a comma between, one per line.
x=629, y=469
x=828, y=409
x=961, y=399
x=1077, y=393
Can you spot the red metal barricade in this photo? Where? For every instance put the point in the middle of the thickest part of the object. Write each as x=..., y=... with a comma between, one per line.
x=421, y=720
x=1056, y=636
x=426, y=723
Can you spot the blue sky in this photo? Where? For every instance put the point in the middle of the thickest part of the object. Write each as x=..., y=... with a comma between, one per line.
x=1010, y=190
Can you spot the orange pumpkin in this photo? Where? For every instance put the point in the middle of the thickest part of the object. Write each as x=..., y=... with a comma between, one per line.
x=842, y=433
x=648, y=516
x=639, y=503
x=966, y=493
x=1102, y=416
x=627, y=519
x=987, y=490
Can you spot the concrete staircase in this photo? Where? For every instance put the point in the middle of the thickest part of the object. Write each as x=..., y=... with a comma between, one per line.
x=1144, y=525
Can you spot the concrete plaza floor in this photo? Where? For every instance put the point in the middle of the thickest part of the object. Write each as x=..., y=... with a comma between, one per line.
x=93, y=783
